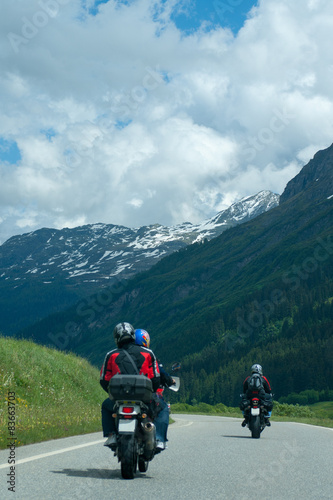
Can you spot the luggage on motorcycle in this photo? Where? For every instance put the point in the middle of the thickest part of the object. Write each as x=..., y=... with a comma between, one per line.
x=268, y=402
x=131, y=387
x=244, y=402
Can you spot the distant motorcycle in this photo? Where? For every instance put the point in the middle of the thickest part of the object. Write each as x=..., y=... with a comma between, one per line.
x=255, y=412
x=136, y=433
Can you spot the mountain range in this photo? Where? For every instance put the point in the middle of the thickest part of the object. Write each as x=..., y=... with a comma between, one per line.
x=261, y=292
x=47, y=270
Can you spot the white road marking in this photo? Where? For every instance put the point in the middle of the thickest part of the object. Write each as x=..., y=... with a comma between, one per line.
x=311, y=425
x=187, y=424
x=44, y=455
x=181, y=423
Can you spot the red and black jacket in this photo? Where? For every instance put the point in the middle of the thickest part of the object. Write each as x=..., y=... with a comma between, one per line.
x=116, y=361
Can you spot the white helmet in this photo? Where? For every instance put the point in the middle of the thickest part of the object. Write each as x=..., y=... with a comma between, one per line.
x=123, y=332
x=256, y=369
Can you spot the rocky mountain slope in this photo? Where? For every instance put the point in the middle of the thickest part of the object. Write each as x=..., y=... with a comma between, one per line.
x=48, y=269
x=98, y=252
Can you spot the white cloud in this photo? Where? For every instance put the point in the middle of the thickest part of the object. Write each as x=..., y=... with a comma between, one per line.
x=149, y=125
x=136, y=202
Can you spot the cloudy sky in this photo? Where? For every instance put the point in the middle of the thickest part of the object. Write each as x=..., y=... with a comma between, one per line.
x=143, y=111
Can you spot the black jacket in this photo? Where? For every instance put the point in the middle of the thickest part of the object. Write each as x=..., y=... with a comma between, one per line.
x=266, y=385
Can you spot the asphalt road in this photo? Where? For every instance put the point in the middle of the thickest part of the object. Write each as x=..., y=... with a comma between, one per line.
x=207, y=458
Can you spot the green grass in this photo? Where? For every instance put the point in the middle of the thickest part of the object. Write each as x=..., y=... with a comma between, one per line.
x=206, y=409
x=55, y=394
x=323, y=409
x=317, y=414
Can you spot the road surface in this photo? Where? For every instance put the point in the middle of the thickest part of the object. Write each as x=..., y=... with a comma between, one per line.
x=207, y=458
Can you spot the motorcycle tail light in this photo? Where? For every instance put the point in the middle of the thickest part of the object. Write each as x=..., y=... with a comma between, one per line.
x=128, y=409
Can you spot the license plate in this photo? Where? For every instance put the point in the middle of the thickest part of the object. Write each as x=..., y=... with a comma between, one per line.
x=255, y=411
x=127, y=425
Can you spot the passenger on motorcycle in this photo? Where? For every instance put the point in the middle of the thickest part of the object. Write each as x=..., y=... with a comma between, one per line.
x=264, y=393
x=162, y=420
x=166, y=380
x=117, y=361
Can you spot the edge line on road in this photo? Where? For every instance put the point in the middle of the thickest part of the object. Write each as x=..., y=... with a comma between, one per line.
x=49, y=454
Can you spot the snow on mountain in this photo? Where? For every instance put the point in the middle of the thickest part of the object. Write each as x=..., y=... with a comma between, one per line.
x=98, y=253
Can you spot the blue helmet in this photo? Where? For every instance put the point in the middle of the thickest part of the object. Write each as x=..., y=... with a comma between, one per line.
x=142, y=338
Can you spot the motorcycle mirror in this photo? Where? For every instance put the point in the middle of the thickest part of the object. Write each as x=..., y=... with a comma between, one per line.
x=176, y=366
x=176, y=386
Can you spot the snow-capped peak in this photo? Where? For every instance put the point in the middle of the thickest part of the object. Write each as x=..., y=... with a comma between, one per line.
x=96, y=253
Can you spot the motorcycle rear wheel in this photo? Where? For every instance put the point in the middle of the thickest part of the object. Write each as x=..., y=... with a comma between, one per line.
x=255, y=427
x=129, y=456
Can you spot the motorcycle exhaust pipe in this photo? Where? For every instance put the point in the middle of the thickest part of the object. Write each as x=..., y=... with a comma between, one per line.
x=149, y=435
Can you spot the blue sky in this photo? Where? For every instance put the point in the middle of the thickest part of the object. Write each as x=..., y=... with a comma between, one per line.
x=9, y=152
x=156, y=111
x=192, y=13
x=228, y=13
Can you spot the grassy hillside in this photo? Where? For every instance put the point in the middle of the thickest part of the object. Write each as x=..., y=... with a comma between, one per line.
x=54, y=394
x=323, y=409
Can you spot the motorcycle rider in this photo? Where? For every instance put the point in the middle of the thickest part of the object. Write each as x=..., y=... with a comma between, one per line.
x=265, y=394
x=117, y=361
x=161, y=422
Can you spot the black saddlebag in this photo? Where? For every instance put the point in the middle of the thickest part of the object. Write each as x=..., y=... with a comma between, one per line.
x=131, y=388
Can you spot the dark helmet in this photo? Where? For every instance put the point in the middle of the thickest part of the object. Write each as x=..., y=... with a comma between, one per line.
x=142, y=337
x=256, y=369
x=123, y=333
